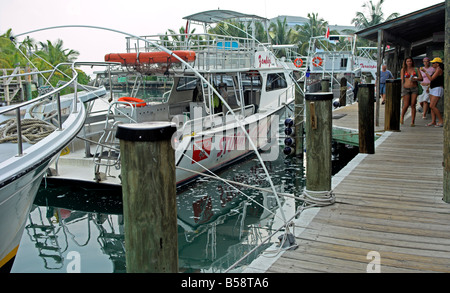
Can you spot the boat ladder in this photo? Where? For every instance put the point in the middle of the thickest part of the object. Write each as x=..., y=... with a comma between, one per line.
x=107, y=152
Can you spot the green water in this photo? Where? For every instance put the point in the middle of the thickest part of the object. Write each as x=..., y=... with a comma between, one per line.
x=217, y=225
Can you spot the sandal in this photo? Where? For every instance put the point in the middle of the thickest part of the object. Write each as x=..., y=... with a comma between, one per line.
x=439, y=125
x=430, y=124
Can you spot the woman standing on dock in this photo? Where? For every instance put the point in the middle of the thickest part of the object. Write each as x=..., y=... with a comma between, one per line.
x=410, y=90
x=424, y=98
x=436, y=91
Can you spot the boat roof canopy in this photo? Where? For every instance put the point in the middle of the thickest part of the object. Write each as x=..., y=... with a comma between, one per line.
x=215, y=16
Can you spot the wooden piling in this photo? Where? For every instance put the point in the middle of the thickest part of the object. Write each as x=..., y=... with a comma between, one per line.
x=446, y=151
x=149, y=197
x=299, y=121
x=325, y=84
x=343, y=93
x=366, y=122
x=393, y=105
x=318, y=128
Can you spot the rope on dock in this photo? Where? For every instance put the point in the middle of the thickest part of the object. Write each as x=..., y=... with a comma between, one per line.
x=33, y=130
x=319, y=198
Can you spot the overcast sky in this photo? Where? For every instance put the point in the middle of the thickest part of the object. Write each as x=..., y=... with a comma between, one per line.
x=147, y=17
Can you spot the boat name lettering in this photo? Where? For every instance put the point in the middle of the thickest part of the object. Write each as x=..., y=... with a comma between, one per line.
x=368, y=66
x=264, y=61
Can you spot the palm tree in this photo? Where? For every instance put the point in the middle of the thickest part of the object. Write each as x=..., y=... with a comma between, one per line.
x=374, y=15
x=10, y=57
x=313, y=28
x=55, y=53
x=281, y=34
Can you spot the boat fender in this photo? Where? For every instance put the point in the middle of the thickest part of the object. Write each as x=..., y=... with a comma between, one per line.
x=134, y=101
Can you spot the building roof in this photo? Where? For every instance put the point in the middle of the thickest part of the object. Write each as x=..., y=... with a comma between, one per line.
x=291, y=20
x=215, y=16
x=417, y=29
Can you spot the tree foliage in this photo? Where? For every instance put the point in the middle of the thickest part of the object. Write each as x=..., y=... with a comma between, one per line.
x=40, y=55
x=372, y=15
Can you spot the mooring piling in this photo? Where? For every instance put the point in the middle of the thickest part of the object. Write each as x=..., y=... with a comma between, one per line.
x=366, y=119
x=393, y=105
x=149, y=197
x=318, y=128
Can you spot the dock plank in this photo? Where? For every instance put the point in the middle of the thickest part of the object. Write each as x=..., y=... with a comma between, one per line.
x=391, y=203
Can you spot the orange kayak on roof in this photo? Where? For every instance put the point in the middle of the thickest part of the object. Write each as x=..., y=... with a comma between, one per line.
x=150, y=57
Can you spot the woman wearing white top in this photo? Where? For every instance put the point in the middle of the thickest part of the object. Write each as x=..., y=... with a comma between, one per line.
x=424, y=98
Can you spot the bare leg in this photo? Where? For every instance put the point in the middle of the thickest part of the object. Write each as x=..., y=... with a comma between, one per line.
x=413, y=108
x=425, y=109
x=406, y=100
x=435, y=113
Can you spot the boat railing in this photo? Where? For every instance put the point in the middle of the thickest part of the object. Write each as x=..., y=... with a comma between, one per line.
x=52, y=93
x=286, y=95
x=212, y=51
x=248, y=110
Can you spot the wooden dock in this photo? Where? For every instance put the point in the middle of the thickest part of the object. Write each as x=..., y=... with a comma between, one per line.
x=389, y=203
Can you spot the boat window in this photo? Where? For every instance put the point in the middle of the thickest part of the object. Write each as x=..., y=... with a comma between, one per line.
x=275, y=81
x=186, y=83
x=344, y=62
x=251, y=81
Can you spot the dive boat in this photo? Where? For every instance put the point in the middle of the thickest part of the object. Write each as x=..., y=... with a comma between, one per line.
x=227, y=98
x=45, y=125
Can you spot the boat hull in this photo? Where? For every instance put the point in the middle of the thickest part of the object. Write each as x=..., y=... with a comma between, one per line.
x=208, y=150
x=16, y=199
x=21, y=177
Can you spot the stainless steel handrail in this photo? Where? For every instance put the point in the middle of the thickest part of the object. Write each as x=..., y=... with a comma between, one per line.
x=53, y=92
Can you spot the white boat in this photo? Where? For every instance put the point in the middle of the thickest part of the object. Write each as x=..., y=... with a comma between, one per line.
x=24, y=163
x=336, y=57
x=253, y=86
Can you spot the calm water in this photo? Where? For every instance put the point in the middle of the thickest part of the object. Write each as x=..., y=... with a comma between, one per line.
x=217, y=224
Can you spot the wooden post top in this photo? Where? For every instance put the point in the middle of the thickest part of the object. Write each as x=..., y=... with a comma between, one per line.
x=368, y=85
x=393, y=80
x=319, y=96
x=147, y=131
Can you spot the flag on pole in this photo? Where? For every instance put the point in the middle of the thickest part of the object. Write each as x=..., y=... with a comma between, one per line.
x=327, y=34
x=186, y=31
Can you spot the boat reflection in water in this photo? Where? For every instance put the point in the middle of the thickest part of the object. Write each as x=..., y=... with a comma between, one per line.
x=74, y=228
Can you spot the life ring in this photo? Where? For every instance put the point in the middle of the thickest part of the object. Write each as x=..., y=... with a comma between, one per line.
x=317, y=61
x=134, y=101
x=296, y=62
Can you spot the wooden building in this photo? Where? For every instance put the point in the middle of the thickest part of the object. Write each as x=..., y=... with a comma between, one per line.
x=423, y=32
x=415, y=34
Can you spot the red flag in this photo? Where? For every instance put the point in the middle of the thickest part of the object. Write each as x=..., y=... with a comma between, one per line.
x=187, y=29
x=327, y=35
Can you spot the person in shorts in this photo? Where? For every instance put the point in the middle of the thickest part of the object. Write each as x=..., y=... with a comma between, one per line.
x=436, y=91
x=424, y=98
x=384, y=75
x=410, y=76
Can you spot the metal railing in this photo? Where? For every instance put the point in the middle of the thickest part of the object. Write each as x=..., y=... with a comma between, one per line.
x=212, y=51
x=54, y=92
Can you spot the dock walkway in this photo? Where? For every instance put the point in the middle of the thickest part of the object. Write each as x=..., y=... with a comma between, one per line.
x=388, y=204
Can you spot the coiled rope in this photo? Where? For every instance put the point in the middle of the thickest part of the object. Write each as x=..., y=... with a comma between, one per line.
x=319, y=198
x=33, y=130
